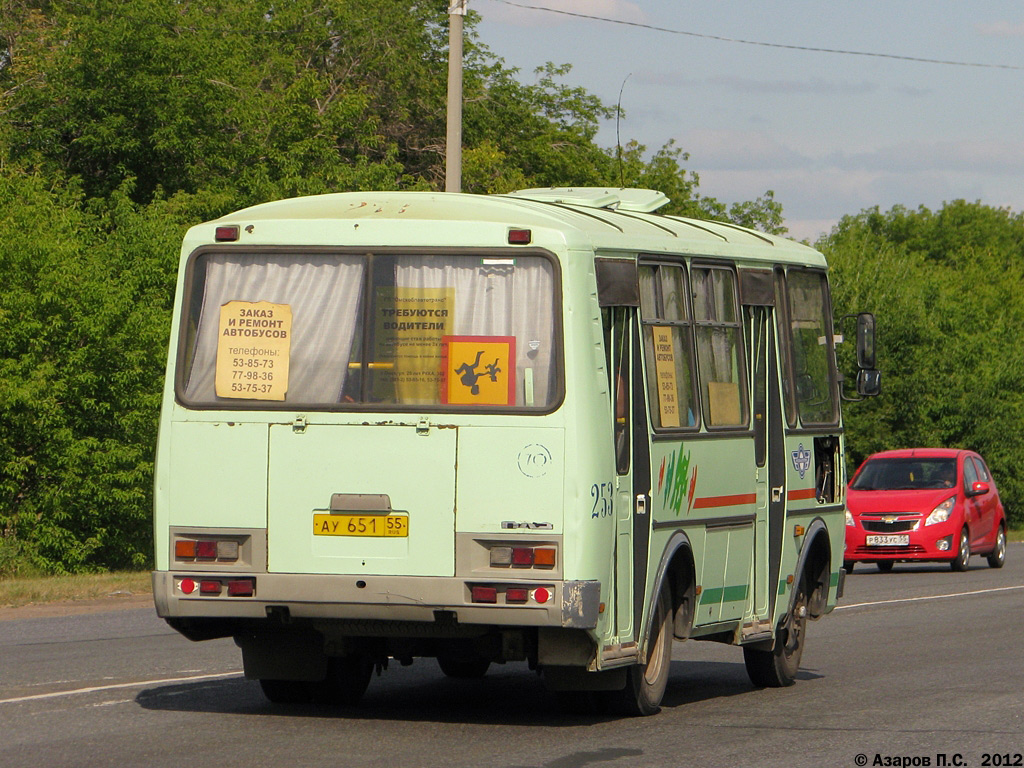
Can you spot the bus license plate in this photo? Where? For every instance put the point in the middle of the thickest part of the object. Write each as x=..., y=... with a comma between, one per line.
x=889, y=540
x=361, y=525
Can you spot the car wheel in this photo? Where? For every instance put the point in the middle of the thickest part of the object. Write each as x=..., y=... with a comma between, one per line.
x=646, y=683
x=848, y=565
x=778, y=667
x=997, y=556
x=963, y=553
x=885, y=565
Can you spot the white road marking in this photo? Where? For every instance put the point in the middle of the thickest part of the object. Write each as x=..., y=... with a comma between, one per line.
x=138, y=684
x=929, y=597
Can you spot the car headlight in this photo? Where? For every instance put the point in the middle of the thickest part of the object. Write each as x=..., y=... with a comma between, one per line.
x=849, y=519
x=942, y=512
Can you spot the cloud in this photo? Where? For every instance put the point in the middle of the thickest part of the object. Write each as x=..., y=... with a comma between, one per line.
x=1001, y=29
x=619, y=10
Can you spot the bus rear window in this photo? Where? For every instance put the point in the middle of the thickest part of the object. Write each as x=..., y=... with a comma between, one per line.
x=331, y=331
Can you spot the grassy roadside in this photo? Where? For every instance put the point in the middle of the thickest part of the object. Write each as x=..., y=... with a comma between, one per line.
x=16, y=592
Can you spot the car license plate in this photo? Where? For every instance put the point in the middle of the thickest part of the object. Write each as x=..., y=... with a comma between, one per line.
x=889, y=540
x=360, y=525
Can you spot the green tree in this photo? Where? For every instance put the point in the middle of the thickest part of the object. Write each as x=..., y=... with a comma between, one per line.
x=944, y=288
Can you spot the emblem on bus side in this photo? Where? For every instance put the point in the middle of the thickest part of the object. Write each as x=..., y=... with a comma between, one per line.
x=534, y=460
x=801, y=460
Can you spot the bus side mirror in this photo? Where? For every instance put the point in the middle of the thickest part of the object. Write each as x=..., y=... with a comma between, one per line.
x=865, y=342
x=869, y=382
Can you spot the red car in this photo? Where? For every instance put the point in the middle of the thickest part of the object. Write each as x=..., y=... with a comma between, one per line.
x=924, y=504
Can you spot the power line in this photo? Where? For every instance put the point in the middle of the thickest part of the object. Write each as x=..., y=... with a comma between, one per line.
x=761, y=43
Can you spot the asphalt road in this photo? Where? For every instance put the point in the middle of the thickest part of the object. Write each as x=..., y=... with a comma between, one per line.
x=921, y=666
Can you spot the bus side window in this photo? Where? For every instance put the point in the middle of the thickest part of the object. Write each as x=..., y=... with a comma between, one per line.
x=620, y=391
x=668, y=346
x=719, y=339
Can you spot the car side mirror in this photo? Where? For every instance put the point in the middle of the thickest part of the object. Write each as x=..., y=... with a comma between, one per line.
x=979, y=488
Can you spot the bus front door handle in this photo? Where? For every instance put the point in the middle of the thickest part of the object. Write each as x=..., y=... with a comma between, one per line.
x=641, y=504
x=777, y=494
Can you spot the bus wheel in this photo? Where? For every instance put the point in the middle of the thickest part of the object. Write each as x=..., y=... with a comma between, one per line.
x=346, y=682
x=287, y=691
x=463, y=668
x=646, y=683
x=997, y=556
x=777, y=668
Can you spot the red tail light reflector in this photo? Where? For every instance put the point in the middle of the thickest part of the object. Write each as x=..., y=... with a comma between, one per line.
x=541, y=594
x=517, y=595
x=484, y=594
x=206, y=550
x=522, y=556
x=519, y=236
x=209, y=587
x=185, y=549
x=242, y=587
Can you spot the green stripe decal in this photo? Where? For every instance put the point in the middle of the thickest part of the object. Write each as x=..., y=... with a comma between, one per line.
x=724, y=594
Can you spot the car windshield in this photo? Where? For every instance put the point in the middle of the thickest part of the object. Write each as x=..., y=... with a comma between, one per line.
x=906, y=475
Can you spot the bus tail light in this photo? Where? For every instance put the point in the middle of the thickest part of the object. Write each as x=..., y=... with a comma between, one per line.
x=517, y=595
x=523, y=557
x=484, y=594
x=209, y=587
x=221, y=550
x=241, y=587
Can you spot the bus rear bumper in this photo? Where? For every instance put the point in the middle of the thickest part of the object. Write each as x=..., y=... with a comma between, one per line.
x=210, y=595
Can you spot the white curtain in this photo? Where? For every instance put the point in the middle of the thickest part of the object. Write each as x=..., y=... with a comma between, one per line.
x=324, y=295
x=497, y=300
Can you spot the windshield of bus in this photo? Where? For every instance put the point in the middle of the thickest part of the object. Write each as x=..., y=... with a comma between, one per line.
x=905, y=475
x=332, y=331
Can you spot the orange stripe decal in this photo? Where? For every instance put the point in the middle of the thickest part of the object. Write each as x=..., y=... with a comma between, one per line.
x=802, y=493
x=710, y=502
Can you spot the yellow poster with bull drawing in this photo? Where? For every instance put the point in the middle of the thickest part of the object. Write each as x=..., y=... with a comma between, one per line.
x=479, y=370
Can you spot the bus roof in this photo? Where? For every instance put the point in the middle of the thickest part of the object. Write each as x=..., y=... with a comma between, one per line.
x=604, y=219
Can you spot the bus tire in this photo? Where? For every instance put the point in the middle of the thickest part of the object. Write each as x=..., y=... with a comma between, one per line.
x=286, y=691
x=778, y=667
x=646, y=683
x=472, y=668
x=347, y=680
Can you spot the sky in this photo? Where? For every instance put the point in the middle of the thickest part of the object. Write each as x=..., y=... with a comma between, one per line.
x=831, y=134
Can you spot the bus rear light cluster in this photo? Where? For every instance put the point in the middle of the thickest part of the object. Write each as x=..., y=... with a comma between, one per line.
x=509, y=595
x=210, y=550
x=523, y=557
x=235, y=587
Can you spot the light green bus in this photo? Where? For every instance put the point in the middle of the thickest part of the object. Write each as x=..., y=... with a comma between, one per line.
x=550, y=426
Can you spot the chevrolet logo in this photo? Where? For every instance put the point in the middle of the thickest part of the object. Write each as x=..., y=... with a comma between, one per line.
x=890, y=519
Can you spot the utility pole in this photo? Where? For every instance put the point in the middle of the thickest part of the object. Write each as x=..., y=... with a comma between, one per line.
x=453, y=146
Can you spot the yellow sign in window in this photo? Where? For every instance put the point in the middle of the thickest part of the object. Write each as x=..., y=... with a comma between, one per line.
x=479, y=370
x=253, y=348
x=665, y=371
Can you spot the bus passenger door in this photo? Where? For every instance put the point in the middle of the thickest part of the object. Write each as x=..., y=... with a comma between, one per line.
x=632, y=468
x=769, y=457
